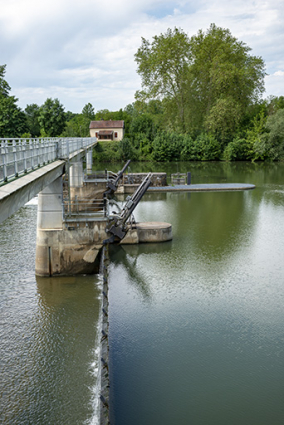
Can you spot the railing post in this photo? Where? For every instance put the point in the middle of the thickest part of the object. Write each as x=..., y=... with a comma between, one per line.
x=24, y=155
x=15, y=158
x=37, y=152
x=4, y=159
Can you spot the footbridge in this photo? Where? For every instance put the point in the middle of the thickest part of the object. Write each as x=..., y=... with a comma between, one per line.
x=27, y=166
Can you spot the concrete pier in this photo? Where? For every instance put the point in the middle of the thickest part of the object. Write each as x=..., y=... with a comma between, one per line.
x=69, y=245
x=148, y=232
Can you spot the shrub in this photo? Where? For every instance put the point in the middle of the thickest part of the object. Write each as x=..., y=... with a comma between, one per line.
x=167, y=146
x=237, y=150
x=204, y=148
x=107, y=152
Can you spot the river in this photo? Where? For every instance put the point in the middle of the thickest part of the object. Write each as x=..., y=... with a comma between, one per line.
x=196, y=324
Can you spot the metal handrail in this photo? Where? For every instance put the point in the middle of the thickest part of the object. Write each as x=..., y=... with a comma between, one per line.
x=20, y=156
x=84, y=208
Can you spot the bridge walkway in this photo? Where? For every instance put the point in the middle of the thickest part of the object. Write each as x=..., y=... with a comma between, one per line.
x=27, y=166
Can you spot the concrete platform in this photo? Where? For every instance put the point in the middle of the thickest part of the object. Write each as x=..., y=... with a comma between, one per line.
x=148, y=232
x=202, y=187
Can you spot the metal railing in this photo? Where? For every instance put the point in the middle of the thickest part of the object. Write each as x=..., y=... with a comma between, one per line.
x=178, y=179
x=20, y=156
x=98, y=176
x=79, y=209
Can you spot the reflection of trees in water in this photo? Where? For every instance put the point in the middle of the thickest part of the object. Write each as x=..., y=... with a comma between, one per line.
x=274, y=195
x=127, y=257
x=213, y=225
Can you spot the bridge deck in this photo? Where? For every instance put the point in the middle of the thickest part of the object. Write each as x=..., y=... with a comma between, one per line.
x=15, y=194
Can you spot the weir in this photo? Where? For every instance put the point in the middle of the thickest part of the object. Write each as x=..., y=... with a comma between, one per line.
x=75, y=218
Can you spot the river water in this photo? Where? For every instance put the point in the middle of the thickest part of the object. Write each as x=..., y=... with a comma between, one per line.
x=196, y=324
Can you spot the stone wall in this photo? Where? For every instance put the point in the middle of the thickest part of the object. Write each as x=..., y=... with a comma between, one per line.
x=158, y=179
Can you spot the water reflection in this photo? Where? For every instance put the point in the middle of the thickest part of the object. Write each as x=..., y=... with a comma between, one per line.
x=208, y=348
x=126, y=256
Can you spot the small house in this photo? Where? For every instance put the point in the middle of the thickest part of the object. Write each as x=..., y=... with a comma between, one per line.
x=107, y=130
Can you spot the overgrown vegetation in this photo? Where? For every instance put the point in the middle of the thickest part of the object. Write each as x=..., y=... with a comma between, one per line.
x=201, y=100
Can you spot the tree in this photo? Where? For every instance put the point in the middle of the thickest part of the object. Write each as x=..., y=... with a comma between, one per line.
x=206, y=83
x=12, y=118
x=163, y=66
x=32, y=114
x=272, y=146
x=4, y=86
x=78, y=126
x=88, y=111
x=224, y=80
x=52, y=118
x=143, y=124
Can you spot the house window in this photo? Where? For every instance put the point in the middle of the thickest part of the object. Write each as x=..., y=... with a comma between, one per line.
x=115, y=134
x=96, y=134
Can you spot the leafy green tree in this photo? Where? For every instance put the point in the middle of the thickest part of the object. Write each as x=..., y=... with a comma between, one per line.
x=143, y=124
x=204, y=148
x=167, y=146
x=272, y=143
x=274, y=103
x=163, y=66
x=69, y=115
x=127, y=150
x=78, y=126
x=224, y=80
x=32, y=114
x=254, y=139
x=12, y=118
x=205, y=83
x=4, y=86
x=237, y=150
x=52, y=118
x=88, y=111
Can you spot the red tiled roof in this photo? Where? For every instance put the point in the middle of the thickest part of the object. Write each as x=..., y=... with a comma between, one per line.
x=107, y=124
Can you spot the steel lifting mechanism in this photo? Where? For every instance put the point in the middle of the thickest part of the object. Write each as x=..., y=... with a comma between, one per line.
x=117, y=226
x=113, y=183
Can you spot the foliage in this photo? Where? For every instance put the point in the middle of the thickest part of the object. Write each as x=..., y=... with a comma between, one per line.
x=204, y=148
x=143, y=124
x=127, y=150
x=78, y=126
x=272, y=143
x=69, y=115
x=52, y=118
x=107, y=151
x=163, y=66
x=4, y=86
x=237, y=150
x=32, y=114
x=206, y=83
x=12, y=118
x=254, y=139
x=167, y=146
x=223, y=75
x=88, y=111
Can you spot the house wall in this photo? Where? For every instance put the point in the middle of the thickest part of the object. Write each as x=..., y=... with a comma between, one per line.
x=120, y=133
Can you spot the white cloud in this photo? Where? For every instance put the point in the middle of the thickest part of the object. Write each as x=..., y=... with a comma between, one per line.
x=83, y=51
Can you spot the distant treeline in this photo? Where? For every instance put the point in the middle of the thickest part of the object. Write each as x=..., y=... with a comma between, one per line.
x=201, y=100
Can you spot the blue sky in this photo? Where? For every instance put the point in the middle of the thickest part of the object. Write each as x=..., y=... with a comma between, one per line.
x=83, y=51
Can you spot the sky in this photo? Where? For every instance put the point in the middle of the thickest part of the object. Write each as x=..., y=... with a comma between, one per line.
x=83, y=51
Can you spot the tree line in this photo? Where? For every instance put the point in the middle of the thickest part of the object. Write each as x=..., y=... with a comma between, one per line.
x=201, y=99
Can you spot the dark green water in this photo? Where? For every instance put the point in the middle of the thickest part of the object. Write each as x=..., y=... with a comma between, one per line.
x=196, y=324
